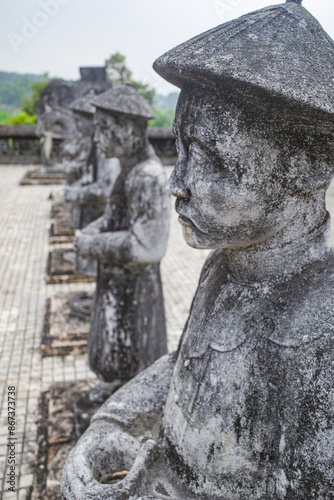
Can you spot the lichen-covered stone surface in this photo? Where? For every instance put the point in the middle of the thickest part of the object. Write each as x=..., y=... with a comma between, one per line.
x=90, y=178
x=245, y=408
x=128, y=330
x=89, y=196
x=54, y=120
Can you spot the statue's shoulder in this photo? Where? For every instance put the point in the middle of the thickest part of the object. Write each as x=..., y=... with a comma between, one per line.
x=303, y=308
x=147, y=172
x=318, y=277
x=152, y=166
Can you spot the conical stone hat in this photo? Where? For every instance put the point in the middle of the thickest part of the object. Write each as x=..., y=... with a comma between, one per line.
x=124, y=100
x=281, y=50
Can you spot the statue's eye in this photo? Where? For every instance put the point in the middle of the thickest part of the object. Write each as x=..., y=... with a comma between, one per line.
x=103, y=123
x=197, y=152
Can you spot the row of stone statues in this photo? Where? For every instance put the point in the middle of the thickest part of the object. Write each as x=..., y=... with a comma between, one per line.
x=245, y=408
x=117, y=190
x=128, y=328
x=56, y=125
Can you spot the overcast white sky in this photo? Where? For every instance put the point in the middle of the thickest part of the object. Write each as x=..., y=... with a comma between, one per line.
x=86, y=32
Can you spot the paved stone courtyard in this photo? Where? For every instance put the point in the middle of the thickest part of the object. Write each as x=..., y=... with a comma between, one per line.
x=24, y=247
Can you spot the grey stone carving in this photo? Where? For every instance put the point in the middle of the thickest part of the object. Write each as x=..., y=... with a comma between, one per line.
x=90, y=179
x=95, y=176
x=128, y=328
x=57, y=132
x=79, y=152
x=55, y=97
x=245, y=408
x=89, y=197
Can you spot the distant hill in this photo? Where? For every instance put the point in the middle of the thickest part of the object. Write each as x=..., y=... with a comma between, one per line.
x=13, y=86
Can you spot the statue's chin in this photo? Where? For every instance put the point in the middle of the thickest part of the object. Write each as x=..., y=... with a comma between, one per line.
x=202, y=242
x=192, y=241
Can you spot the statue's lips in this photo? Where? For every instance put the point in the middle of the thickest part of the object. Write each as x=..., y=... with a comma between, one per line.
x=185, y=222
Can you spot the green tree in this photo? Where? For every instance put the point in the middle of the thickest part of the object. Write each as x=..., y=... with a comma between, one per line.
x=21, y=118
x=164, y=119
x=119, y=73
x=145, y=91
x=4, y=116
x=28, y=105
x=117, y=70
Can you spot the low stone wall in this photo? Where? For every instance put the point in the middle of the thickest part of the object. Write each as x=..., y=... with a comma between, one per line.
x=19, y=144
x=163, y=141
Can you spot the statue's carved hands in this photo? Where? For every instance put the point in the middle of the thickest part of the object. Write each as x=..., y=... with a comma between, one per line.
x=83, y=244
x=94, y=227
x=105, y=247
x=106, y=447
x=103, y=450
x=87, y=242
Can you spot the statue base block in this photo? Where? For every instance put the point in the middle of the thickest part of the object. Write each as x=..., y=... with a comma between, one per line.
x=42, y=176
x=60, y=268
x=64, y=333
x=61, y=230
x=60, y=207
x=86, y=407
x=56, y=436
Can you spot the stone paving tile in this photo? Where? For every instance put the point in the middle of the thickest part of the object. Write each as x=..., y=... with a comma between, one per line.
x=23, y=250
x=24, y=225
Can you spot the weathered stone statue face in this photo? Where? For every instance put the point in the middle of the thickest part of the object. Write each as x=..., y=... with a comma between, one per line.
x=118, y=136
x=232, y=180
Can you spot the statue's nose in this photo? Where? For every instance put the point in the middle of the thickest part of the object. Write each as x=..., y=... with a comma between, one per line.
x=178, y=184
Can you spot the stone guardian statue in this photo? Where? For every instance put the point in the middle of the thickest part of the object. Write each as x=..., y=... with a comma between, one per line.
x=79, y=150
x=128, y=331
x=245, y=408
x=89, y=194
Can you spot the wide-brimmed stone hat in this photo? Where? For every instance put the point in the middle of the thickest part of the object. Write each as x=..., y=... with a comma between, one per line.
x=280, y=50
x=124, y=100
